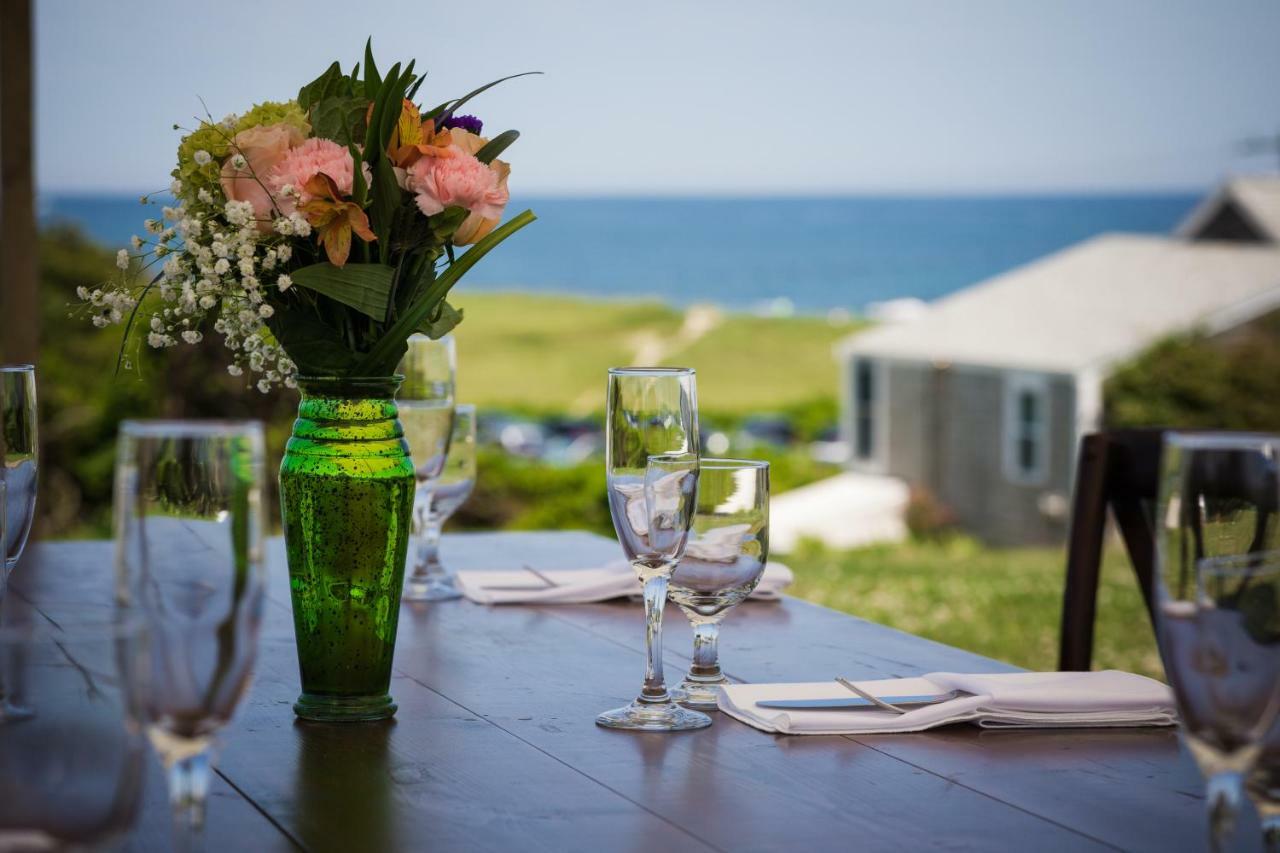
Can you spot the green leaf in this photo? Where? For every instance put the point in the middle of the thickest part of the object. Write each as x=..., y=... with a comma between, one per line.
x=441, y=322
x=375, y=142
x=313, y=345
x=340, y=118
x=372, y=82
x=449, y=107
x=497, y=145
x=364, y=287
x=413, y=90
x=390, y=347
x=386, y=200
x=332, y=83
x=359, y=188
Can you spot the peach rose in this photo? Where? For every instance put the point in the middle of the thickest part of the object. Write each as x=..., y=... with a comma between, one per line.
x=263, y=147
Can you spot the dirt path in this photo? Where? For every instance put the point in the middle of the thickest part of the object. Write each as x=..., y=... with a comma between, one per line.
x=648, y=347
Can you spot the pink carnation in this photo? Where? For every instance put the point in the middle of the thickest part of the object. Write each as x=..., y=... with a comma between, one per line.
x=306, y=161
x=457, y=181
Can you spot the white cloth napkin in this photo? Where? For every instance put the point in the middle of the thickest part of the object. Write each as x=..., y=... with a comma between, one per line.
x=1001, y=700
x=582, y=586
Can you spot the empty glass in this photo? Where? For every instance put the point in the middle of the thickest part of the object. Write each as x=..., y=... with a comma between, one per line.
x=722, y=563
x=1264, y=789
x=189, y=562
x=426, y=404
x=1217, y=603
x=18, y=453
x=449, y=492
x=72, y=754
x=651, y=469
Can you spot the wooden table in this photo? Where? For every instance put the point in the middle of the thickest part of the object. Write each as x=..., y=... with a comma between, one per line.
x=495, y=748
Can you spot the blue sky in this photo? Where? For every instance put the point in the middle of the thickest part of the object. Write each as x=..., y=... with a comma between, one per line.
x=712, y=97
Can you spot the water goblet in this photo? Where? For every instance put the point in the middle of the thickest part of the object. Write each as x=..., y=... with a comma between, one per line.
x=189, y=563
x=722, y=563
x=426, y=405
x=1217, y=604
x=651, y=470
x=72, y=753
x=449, y=492
x=18, y=458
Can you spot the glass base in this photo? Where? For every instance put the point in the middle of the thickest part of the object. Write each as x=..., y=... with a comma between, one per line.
x=346, y=709
x=646, y=716
x=699, y=695
x=434, y=589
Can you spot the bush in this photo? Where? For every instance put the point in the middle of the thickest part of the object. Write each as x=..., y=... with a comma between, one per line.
x=927, y=518
x=1195, y=381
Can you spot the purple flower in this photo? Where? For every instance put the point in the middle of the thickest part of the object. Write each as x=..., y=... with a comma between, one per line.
x=468, y=123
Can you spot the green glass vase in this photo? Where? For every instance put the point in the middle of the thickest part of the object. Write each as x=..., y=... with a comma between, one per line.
x=346, y=495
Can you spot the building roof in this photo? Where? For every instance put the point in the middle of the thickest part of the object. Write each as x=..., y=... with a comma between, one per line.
x=1255, y=199
x=1088, y=306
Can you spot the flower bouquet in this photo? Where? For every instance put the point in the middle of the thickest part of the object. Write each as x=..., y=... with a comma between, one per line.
x=315, y=236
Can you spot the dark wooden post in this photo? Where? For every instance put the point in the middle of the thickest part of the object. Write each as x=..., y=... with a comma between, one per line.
x=19, y=268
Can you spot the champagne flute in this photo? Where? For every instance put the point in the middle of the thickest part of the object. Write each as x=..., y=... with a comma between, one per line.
x=426, y=404
x=651, y=468
x=1217, y=604
x=722, y=563
x=189, y=562
x=449, y=492
x=18, y=455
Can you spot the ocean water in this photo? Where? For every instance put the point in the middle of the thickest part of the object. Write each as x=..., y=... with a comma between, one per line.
x=819, y=253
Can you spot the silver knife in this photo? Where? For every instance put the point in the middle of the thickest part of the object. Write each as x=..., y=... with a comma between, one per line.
x=843, y=702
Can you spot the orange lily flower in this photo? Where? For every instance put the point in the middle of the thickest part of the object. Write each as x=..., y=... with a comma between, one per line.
x=334, y=218
x=413, y=138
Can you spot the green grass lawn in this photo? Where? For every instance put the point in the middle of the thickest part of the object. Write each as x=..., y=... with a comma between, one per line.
x=549, y=354
x=1003, y=603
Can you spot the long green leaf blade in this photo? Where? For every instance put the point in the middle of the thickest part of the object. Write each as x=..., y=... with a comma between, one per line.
x=497, y=145
x=446, y=109
x=386, y=352
x=364, y=287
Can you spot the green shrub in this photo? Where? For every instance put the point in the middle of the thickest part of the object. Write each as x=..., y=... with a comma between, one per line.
x=1195, y=381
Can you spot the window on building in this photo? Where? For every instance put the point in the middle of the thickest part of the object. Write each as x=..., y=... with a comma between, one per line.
x=864, y=414
x=1026, y=428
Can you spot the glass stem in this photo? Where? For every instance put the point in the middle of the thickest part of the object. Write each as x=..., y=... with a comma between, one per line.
x=188, y=792
x=655, y=599
x=706, y=651
x=1223, y=797
x=429, y=566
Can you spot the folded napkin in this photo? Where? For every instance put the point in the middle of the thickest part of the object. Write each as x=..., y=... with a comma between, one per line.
x=582, y=586
x=1002, y=700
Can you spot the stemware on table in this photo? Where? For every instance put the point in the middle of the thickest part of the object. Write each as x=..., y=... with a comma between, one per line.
x=72, y=753
x=189, y=563
x=449, y=492
x=18, y=460
x=651, y=469
x=722, y=563
x=1217, y=604
x=426, y=404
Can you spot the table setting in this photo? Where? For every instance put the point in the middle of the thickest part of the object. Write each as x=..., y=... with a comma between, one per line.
x=318, y=238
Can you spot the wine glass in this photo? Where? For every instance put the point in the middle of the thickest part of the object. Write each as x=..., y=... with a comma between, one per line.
x=426, y=404
x=651, y=470
x=189, y=562
x=1217, y=604
x=450, y=491
x=1264, y=789
x=722, y=563
x=18, y=453
x=72, y=754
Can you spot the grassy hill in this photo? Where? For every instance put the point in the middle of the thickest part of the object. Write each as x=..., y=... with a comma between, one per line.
x=549, y=354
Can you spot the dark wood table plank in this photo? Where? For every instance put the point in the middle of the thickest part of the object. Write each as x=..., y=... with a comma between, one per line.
x=495, y=746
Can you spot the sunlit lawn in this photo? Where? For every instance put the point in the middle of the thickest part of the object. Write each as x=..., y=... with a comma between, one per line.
x=549, y=354
x=1005, y=604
